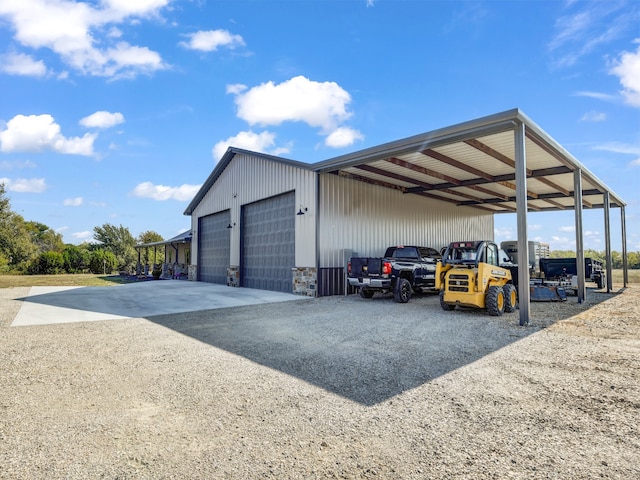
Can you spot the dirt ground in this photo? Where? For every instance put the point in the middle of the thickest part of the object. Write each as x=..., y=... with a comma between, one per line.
x=337, y=387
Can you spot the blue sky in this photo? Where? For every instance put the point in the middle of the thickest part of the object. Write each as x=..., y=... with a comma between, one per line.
x=116, y=111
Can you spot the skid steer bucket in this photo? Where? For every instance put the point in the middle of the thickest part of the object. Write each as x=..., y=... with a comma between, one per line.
x=547, y=293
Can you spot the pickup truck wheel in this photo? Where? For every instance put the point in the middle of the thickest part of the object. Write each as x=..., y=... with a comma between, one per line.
x=495, y=301
x=510, y=298
x=402, y=292
x=366, y=293
x=445, y=306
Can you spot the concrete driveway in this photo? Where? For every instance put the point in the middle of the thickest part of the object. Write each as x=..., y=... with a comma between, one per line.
x=47, y=305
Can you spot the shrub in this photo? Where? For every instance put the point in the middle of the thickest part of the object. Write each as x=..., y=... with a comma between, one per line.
x=102, y=262
x=47, y=263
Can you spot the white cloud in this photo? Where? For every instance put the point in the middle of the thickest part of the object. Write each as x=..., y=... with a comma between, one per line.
x=125, y=8
x=627, y=69
x=318, y=104
x=102, y=119
x=37, y=133
x=589, y=25
x=17, y=165
x=257, y=142
x=562, y=243
x=81, y=33
x=73, y=202
x=567, y=228
x=162, y=192
x=623, y=148
x=21, y=64
x=504, y=233
x=616, y=147
x=597, y=95
x=24, y=185
x=593, y=116
x=343, y=137
x=535, y=227
x=210, y=40
x=83, y=235
x=236, y=88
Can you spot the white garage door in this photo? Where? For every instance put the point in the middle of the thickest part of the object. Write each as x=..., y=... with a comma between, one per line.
x=268, y=243
x=214, y=247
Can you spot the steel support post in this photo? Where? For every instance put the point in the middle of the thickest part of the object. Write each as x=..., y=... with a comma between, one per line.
x=577, y=198
x=521, y=213
x=625, y=272
x=607, y=239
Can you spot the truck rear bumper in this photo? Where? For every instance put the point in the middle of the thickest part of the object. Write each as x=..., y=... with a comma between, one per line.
x=373, y=283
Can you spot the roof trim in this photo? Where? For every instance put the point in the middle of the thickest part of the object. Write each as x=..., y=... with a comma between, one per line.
x=184, y=237
x=225, y=161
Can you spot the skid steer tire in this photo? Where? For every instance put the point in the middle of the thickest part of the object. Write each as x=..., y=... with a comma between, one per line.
x=402, y=292
x=510, y=298
x=445, y=306
x=495, y=301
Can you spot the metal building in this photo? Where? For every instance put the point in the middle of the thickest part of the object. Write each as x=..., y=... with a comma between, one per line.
x=267, y=222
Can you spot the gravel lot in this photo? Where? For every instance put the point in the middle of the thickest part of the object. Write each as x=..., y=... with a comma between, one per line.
x=326, y=388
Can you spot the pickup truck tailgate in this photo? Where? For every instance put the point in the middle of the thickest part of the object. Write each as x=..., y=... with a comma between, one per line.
x=365, y=267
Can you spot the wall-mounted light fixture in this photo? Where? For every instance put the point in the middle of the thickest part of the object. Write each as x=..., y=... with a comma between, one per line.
x=302, y=210
x=231, y=225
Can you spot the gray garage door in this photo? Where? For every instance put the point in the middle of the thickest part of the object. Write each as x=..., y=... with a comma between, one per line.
x=268, y=243
x=213, y=247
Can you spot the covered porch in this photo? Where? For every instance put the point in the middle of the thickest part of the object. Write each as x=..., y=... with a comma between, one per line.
x=174, y=264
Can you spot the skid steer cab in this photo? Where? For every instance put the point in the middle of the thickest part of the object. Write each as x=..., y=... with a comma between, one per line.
x=470, y=275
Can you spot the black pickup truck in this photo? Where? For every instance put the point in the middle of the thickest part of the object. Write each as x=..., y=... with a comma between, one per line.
x=403, y=270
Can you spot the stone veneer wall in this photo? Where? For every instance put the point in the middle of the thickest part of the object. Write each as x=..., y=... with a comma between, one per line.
x=233, y=276
x=193, y=273
x=305, y=281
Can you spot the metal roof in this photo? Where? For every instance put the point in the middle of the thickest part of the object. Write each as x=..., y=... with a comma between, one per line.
x=184, y=237
x=473, y=164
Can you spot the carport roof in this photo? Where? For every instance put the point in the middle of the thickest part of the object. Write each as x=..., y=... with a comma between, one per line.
x=473, y=164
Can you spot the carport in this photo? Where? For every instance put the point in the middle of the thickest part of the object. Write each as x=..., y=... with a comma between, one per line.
x=503, y=163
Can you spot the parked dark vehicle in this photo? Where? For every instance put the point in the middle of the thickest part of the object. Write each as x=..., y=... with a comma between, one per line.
x=555, y=268
x=403, y=270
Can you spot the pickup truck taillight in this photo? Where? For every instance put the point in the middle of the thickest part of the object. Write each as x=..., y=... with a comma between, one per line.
x=349, y=268
x=386, y=268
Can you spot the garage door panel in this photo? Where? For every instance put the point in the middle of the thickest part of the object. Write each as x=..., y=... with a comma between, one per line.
x=268, y=252
x=214, y=247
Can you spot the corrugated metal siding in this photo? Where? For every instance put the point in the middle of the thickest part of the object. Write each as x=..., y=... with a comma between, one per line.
x=366, y=219
x=249, y=178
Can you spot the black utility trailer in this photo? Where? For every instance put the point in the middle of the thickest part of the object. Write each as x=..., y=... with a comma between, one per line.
x=563, y=269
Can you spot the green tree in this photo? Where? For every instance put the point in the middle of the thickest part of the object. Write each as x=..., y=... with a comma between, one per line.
x=44, y=238
x=118, y=241
x=102, y=261
x=20, y=241
x=148, y=253
x=15, y=242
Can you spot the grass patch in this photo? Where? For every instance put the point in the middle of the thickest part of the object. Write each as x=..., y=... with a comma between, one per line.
x=634, y=276
x=66, y=280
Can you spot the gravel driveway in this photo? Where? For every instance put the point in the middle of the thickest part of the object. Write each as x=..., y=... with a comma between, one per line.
x=337, y=387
